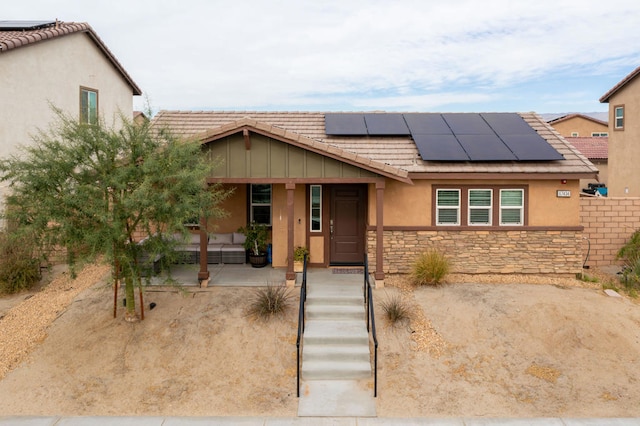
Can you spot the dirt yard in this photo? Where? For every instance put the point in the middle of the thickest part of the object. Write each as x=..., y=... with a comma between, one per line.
x=480, y=349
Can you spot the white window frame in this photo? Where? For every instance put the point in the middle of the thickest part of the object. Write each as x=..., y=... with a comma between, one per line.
x=617, y=117
x=253, y=204
x=575, y=134
x=313, y=208
x=511, y=208
x=445, y=207
x=488, y=208
x=91, y=96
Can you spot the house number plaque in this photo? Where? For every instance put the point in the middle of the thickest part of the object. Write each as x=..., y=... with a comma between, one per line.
x=563, y=193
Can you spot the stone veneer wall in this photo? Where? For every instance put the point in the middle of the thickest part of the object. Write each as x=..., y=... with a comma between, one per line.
x=608, y=224
x=480, y=252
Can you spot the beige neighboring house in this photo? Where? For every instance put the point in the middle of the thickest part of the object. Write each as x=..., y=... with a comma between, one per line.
x=596, y=149
x=61, y=63
x=624, y=136
x=579, y=125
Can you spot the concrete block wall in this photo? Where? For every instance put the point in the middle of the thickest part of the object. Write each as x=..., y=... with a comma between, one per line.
x=608, y=224
x=480, y=252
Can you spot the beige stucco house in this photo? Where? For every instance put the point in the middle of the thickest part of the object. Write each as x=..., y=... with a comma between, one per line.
x=64, y=64
x=624, y=136
x=344, y=191
x=580, y=125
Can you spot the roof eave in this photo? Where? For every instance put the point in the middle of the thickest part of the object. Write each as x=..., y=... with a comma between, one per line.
x=633, y=74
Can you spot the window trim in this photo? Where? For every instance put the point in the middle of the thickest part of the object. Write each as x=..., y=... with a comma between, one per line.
x=311, y=208
x=463, y=220
x=252, y=204
x=470, y=207
x=575, y=134
x=84, y=89
x=438, y=208
x=521, y=207
x=599, y=134
x=615, y=117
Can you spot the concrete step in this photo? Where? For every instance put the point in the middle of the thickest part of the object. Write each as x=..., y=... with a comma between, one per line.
x=336, y=332
x=332, y=299
x=315, y=352
x=318, y=311
x=330, y=370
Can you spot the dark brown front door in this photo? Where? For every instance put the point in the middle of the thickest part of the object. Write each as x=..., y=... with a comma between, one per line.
x=347, y=224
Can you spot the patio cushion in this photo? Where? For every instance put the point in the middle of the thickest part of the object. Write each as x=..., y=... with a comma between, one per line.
x=239, y=238
x=226, y=238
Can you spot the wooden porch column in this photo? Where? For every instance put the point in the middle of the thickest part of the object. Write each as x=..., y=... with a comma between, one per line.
x=203, y=275
x=379, y=274
x=291, y=276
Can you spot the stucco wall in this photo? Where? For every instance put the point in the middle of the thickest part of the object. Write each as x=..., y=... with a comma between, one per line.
x=582, y=126
x=624, y=149
x=52, y=72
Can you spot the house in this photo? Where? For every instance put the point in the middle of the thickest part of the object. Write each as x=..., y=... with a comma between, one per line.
x=497, y=192
x=65, y=64
x=596, y=149
x=624, y=134
x=580, y=125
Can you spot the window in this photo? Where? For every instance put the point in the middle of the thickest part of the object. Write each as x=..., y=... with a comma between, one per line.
x=88, y=106
x=511, y=207
x=316, y=208
x=448, y=207
x=618, y=117
x=574, y=134
x=599, y=134
x=260, y=203
x=477, y=206
x=480, y=201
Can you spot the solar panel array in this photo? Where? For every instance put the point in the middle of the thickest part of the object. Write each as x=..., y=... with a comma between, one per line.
x=452, y=136
x=24, y=25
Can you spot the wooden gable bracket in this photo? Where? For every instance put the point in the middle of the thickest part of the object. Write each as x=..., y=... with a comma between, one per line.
x=247, y=140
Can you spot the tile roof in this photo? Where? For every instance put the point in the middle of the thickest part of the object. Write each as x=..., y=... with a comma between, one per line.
x=14, y=39
x=591, y=147
x=633, y=74
x=398, y=152
x=570, y=116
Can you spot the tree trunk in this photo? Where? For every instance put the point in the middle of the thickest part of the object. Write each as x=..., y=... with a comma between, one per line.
x=130, y=313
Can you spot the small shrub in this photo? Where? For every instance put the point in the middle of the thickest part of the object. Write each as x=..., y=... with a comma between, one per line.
x=395, y=309
x=19, y=268
x=270, y=301
x=430, y=268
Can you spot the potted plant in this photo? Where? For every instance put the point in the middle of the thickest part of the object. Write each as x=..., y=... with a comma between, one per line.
x=299, y=253
x=256, y=243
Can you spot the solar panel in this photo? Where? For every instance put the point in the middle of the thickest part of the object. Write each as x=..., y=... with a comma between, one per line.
x=383, y=124
x=427, y=124
x=345, y=124
x=531, y=148
x=24, y=25
x=504, y=123
x=467, y=124
x=485, y=148
x=440, y=148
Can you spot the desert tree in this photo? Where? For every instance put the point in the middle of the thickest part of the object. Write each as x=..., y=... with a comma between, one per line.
x=91, y=189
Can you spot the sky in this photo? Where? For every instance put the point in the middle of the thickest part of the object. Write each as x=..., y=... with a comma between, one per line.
x=547, y=56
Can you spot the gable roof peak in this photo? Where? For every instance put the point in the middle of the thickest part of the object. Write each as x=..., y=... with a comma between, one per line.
x=632, y=75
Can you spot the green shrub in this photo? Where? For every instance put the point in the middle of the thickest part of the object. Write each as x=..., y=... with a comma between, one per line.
x=270, y=301
x=395, y=309
x=430, y=268
x=19, y=268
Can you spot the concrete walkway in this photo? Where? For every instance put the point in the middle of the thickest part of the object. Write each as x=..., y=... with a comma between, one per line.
x=308, y=421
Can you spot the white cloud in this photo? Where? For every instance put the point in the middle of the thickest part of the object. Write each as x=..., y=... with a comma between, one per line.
x=350, y=55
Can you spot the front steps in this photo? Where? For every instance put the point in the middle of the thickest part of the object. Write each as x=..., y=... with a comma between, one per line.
x=336, y=362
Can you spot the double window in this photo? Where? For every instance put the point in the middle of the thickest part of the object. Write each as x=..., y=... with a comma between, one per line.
x=479, y=206
x=618, y=117
x=88, y=106
x=260, y=203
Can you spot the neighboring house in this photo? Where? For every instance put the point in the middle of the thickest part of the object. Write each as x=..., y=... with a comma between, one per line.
x=624, y=136
x=596, y=150
x=580, y=125
x=497, y=192
x=65, y=64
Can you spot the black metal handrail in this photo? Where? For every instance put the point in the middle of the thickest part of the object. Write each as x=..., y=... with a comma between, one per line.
x=371, y=322
x=303, y=299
